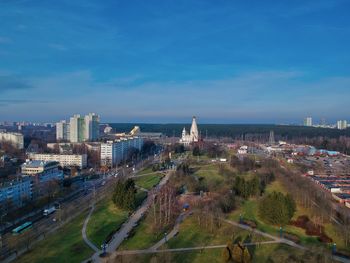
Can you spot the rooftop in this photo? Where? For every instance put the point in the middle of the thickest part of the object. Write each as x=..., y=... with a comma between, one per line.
x=37, y=163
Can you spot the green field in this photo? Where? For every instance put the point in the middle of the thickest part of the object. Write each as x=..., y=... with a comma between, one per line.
x=143, y=236
x=148, y=181
x=249, y=210
x=191, y=234
x=105, y=219
x=65, y=245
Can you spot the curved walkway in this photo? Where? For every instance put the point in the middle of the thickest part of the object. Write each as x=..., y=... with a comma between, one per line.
x=124, y=231
x=83, y=231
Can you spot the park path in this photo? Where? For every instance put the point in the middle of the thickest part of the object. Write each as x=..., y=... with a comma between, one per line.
x=280, y=240
x=172, y=233
x=83, y=231
x=151, y=251
x=125, y=229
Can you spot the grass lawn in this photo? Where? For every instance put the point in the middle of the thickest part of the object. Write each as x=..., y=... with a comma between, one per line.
x=143, y=237
x=66, y=245
x=249, y=210
x=145, y=171
x=193, y=235
x=148, y=181
x=105, y=219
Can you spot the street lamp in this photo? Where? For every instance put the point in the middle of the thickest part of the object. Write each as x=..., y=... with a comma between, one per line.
x=104, y=247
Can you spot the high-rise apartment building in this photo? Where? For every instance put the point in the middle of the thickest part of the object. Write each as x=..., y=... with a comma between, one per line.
x=92, y=121
x=308, y=121
x=62, y=131
x=77, y=128
x=342, y=124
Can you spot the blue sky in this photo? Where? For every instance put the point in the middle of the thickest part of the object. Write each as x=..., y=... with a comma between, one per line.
x=164, y=61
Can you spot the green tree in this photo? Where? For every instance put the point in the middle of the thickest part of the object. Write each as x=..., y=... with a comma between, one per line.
x=124, y=195
x=196, y=151
x=276, y=208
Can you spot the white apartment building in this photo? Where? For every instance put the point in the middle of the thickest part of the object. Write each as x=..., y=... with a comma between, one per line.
x=308, y=121
x=16, y=139
x=77, y=128
x=62, y=130
x=113, y=152
x=342, y=124
x=80, y=128
x=92, y=121
x=65, y=160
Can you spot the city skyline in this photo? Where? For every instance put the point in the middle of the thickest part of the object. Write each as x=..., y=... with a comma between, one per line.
x=164, y=62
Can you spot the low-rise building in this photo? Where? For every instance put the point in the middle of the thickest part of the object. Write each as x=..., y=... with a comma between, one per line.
x=42, y=175
x=14, y=193
x=16, y=139
x=65, y=160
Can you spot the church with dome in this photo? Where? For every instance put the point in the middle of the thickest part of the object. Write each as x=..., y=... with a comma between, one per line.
x=193, y=136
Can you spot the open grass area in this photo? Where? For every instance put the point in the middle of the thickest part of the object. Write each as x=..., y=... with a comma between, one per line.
x=147, y=170
x=148, y=181
x=264, y=253
x=268, y=253
x=106, y=218
x=65, y=245
x=191, y=234
x=249, y=210
x=142, y=237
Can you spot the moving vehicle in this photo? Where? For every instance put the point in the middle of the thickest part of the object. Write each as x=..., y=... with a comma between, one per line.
x=22, y=228
x=49, y=211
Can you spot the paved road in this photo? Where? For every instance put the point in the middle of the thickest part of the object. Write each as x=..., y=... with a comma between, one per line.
x=83, y=231
x=119, y=236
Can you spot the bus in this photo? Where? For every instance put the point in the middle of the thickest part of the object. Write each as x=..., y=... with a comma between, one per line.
x=49, y=211
x=20, y=229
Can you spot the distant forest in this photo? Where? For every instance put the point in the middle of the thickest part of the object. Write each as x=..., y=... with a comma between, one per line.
x=237, y=130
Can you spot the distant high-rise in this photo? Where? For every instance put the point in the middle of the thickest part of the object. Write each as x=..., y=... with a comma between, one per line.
x=342, y=124
x=62, y=130
x=92, y=121
x=82, y=128
x=77, y=128
x=308, y=121
x=272, y=138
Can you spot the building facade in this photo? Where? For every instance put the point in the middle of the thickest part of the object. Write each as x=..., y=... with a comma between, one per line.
x=92, y=131
x=14, y=193
x=62, y=131
x=77, y=128
x=65, y=160
x=308, y=121
x=114, y=152
x=16, y=139
x=342, y=124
